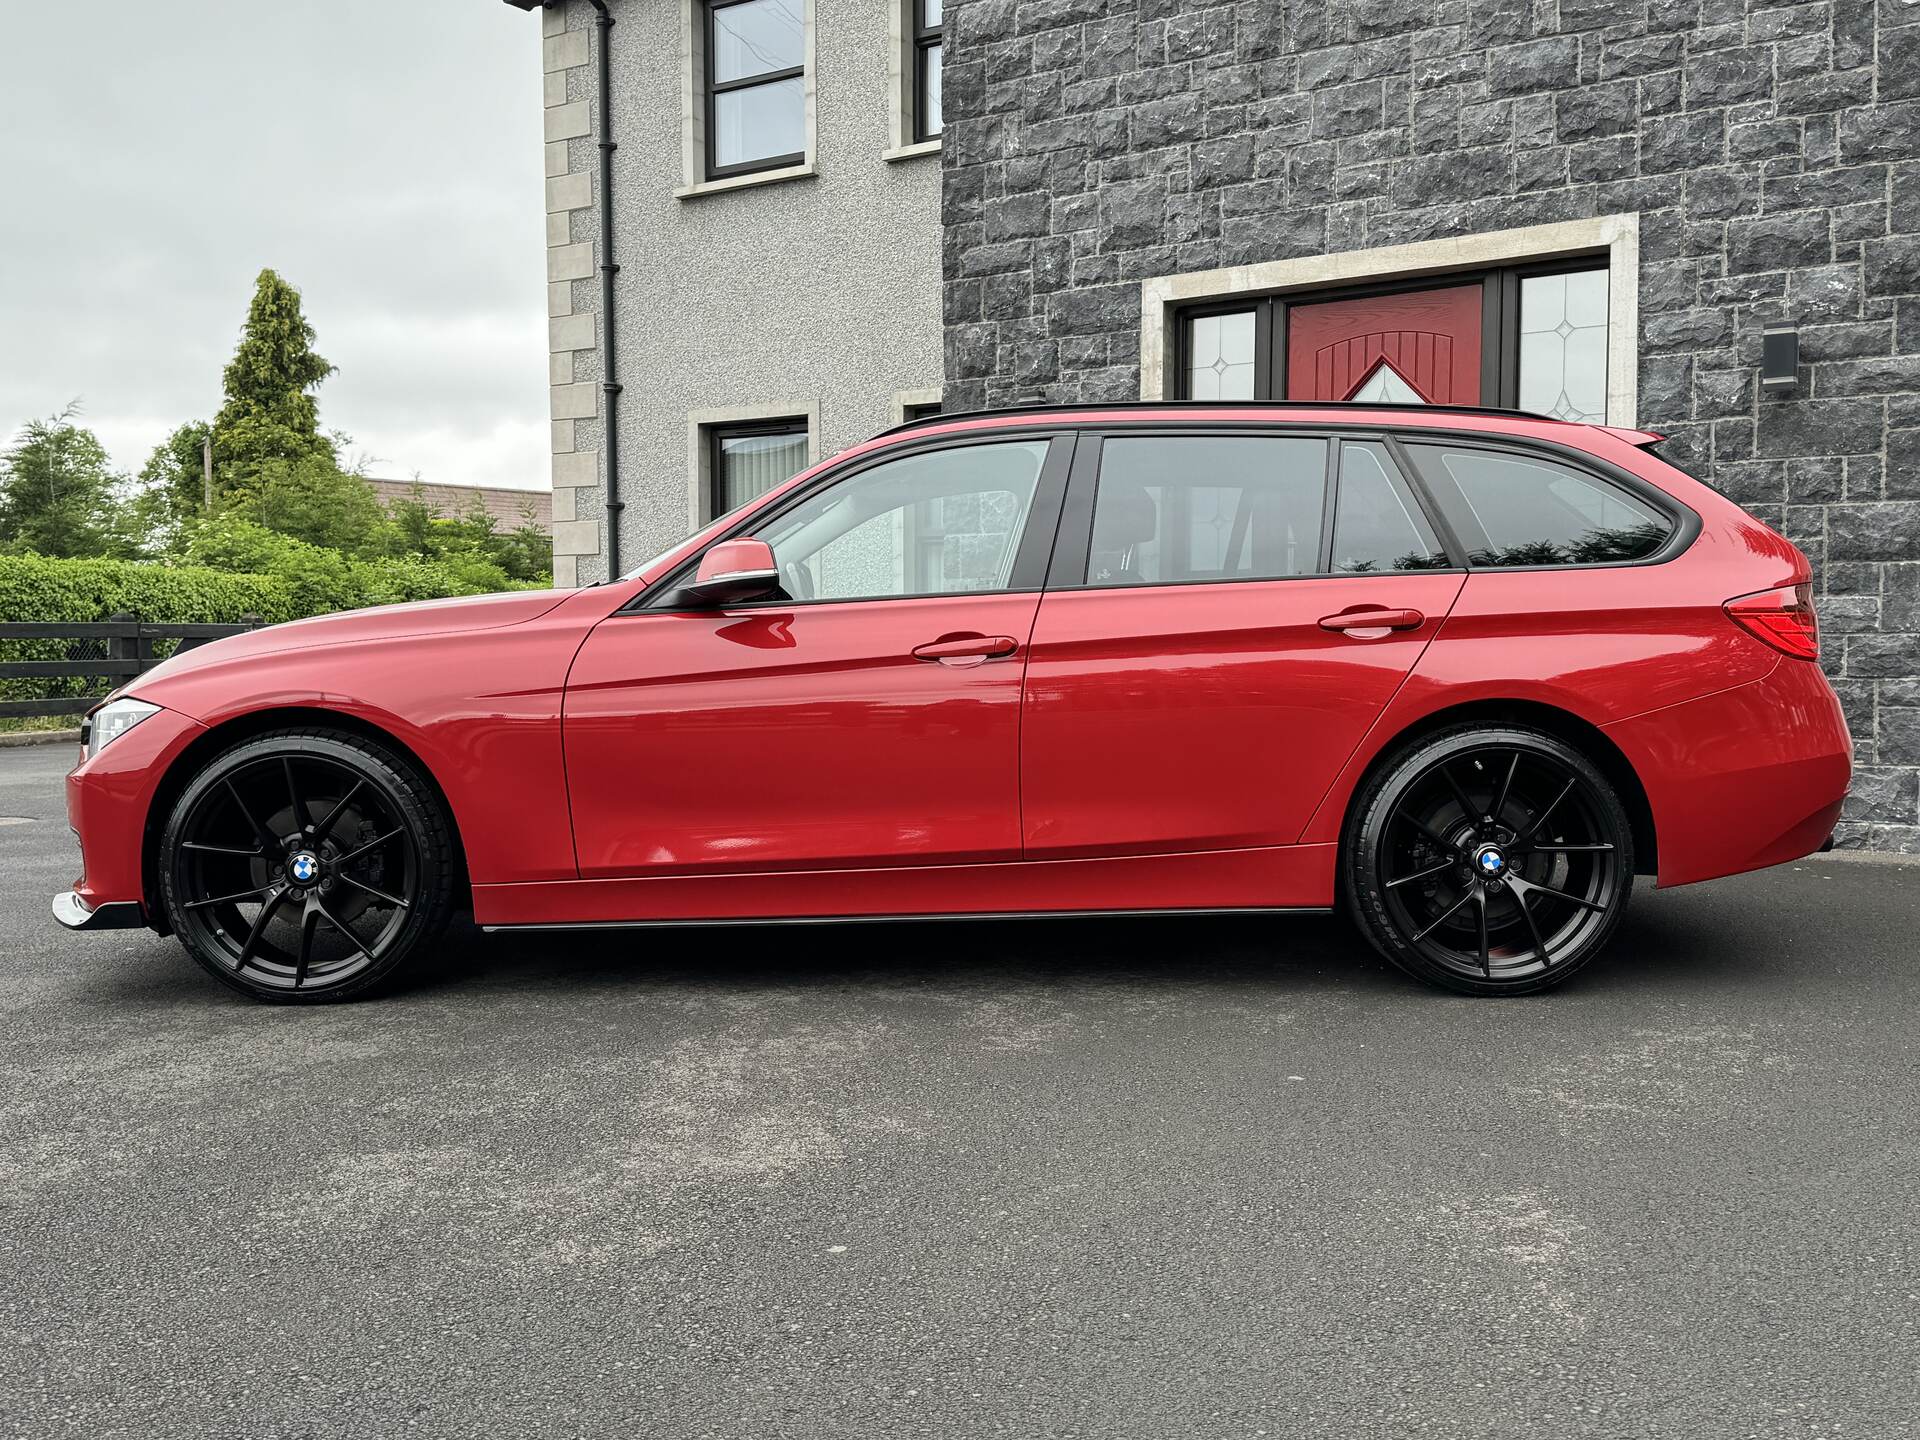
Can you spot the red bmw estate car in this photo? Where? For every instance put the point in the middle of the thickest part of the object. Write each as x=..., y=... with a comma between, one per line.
x=1463, y=673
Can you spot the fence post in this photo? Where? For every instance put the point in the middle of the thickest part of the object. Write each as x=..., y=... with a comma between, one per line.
x=123, y=647
x=252, y=621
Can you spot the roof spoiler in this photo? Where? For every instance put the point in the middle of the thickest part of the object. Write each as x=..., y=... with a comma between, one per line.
x=1645, y=439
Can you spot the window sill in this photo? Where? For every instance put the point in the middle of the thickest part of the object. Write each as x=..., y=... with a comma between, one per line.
x=911, y=152
x=742, y=182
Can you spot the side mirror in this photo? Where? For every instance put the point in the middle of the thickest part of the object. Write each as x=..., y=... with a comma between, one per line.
x=733, y=571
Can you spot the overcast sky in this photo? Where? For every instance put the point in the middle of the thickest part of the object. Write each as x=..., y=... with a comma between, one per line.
x=383, y=155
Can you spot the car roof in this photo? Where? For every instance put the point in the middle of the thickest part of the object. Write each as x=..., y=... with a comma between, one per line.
x=1487, y=419
x=1140, y=409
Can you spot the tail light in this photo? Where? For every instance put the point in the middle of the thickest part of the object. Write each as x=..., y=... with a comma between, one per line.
x=1783, y=618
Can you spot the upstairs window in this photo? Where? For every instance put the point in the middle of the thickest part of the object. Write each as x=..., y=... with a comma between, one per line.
x=756, y=85
x=927, y=21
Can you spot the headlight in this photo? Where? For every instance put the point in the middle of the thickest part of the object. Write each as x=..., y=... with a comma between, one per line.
x=110, y=722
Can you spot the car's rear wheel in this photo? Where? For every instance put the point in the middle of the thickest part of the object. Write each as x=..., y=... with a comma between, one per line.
x=307, y=865
x=1489, y=860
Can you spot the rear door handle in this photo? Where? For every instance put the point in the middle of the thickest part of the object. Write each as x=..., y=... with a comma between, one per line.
x=1371, y=618
x=966, y=649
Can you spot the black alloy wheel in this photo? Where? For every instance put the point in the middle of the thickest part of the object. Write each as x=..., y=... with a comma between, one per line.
x=307, y=866
x=1489, y=860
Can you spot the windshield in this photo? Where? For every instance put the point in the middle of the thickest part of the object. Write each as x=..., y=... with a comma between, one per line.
x=709, y=528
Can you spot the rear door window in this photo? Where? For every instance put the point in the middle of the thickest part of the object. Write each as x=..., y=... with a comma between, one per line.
x=1187, y=509
x=1378, y=526
x=1521, y=510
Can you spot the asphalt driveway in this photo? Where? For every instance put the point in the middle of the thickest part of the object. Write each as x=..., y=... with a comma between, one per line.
x=1145, y=1178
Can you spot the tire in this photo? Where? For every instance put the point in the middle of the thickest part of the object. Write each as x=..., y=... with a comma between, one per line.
x=1489, y=860
x=324, y=908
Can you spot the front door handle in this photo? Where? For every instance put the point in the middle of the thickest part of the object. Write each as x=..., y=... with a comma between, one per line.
x=1370, y=618
x=966, y=649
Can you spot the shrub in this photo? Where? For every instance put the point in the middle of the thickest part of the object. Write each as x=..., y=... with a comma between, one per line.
x=242, y=570
x=35, y=588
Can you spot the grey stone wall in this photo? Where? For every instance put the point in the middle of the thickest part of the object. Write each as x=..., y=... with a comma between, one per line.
x=1772, y=153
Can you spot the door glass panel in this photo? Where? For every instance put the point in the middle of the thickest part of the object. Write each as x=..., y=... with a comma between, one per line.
x=1378, y=525
x=1387, y=386
x=1220, y=356
x=942, y=523
x=1563, y=345
x=1174, y=509
x=1516, y=510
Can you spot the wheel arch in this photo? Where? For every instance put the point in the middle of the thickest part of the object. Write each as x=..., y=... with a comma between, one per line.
x=241, y=728
x=1586, y=737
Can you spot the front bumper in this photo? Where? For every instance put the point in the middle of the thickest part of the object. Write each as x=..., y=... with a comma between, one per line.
x=109, y=802
x=74, y=913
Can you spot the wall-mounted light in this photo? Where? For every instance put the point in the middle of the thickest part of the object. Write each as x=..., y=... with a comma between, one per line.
x=1779, y=358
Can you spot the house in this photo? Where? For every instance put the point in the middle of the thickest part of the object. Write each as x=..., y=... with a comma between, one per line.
x=1700, y=217
x=507, y=507
x=775, y=218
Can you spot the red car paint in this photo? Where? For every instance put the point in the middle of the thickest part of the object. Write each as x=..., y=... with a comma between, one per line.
x=1155, y=747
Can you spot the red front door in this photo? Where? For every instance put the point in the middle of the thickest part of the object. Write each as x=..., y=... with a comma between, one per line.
x=1428, y=342
x=796, y=738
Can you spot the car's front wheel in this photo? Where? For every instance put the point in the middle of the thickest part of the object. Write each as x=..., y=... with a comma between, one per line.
x=307, y=865
x=1491, y=860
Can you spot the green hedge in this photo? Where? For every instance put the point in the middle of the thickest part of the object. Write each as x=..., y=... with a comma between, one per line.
x=310, y=581
x=34, y=588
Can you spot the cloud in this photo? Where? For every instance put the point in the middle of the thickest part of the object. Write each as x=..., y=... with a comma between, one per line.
x=384, y=157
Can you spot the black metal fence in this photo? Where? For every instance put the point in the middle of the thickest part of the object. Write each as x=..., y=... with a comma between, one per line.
x=65, y=667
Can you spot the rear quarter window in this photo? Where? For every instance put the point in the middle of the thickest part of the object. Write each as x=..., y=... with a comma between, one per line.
x=1514, y=510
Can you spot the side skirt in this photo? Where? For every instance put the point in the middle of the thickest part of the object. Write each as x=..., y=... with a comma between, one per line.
x=1290, y=877
x=911, y=919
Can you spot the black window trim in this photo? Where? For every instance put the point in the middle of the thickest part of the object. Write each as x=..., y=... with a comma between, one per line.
x=712, y=88
x=1422, y=501
x=716, y=502
x=1070, y=473
x=1684, y=520
x=1499, y=318
x=1071, y=551
x=923, y=39
x=1031, y=557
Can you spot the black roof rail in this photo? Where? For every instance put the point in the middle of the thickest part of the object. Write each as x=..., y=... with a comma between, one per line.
x=1228, y=406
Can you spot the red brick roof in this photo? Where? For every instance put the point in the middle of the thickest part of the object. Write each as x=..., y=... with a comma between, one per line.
x=506, y=506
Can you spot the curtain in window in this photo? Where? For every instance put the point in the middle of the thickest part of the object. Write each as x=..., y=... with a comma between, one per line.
x=751, y=465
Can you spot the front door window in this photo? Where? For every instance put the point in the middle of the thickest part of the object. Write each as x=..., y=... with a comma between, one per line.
x=942, y=522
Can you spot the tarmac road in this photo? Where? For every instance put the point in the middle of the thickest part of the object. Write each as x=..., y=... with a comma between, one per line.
x=1183, y=1178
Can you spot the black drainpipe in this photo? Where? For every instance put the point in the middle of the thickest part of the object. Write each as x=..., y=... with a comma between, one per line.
x=609, y=374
